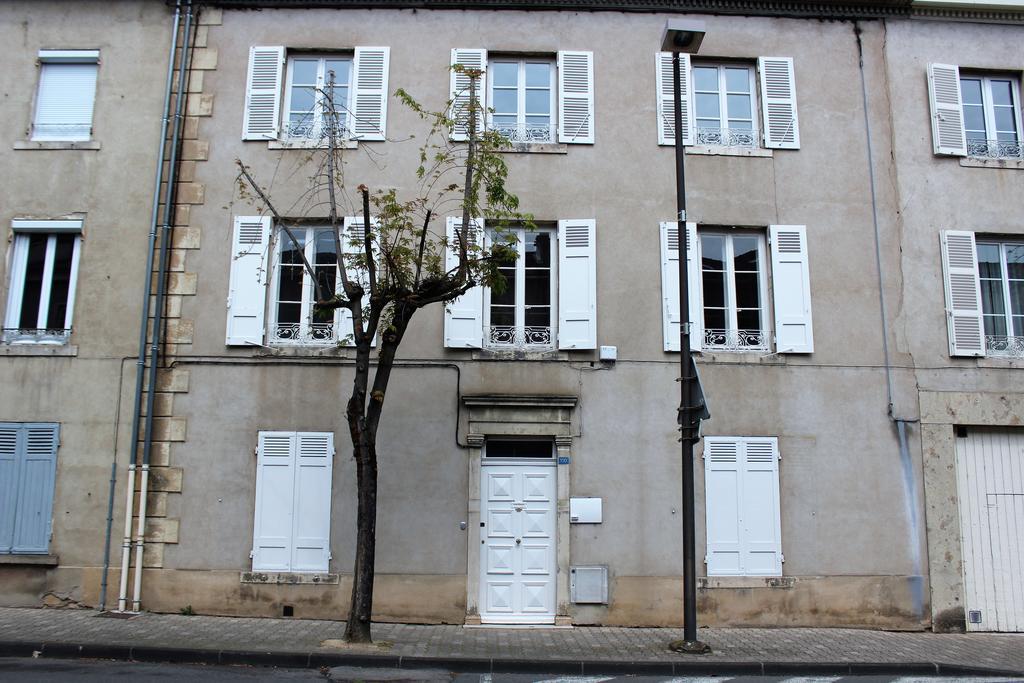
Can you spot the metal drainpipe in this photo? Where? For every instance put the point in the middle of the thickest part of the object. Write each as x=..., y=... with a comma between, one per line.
x=906, y=464
x=140, y=364
x=161, y=286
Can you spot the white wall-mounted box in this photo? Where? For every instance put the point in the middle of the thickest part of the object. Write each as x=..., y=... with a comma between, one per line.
x=589, y=584
x=585, y=510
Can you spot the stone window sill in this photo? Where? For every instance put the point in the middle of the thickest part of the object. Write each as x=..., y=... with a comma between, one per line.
x=1000, y=362
x=300, y=351
x=55, y=144
x=30, y=560
x=290, y=578
x=38, y=350
x=706, y=582
x=974, y=162
x=725, y=357
x=709, y=150
x=519, y=354
x=535, y=148
x=309, y=144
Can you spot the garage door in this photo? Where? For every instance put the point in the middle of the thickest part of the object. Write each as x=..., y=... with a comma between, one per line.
x=990, y=484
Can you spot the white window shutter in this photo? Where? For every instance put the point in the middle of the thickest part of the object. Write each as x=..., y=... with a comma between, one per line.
x=37, y=469
x=311, y=521
x=963, y=294
x=948, y=135
x=778, y=102
x=463, y=318
x=723, y=499
x=576, y=97
x=353, y=229
x=275, y=496
x=794, y=331
x=577, y=284
x=666, y=98
x=470, y=58
x=760, y=512
x=64, y=105
x=263, y=93
x=370, y=93
x=670, y=286
x=247, y=289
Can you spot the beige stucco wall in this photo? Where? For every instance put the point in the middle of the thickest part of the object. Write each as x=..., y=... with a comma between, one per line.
x=89, y=391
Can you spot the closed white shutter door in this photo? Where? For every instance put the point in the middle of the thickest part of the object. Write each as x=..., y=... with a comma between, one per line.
x=963, y=294
x=577, y=284
x=275, y=495
x=67, y=92
x=744, y=535
x=948, y=136
x=475, y=59
x=670, y=286
x=263, y=93
x=353, y=228
x=370, y=97
x=576, y=97
x=722, y=491
x=778, y=102
x=37, y=469
x=666, y=98
x=794, y=331
x=311, y=526
x=463, y=318
x=247, y=289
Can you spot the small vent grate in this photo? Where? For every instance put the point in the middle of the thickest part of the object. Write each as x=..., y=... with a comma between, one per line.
x=673, y=239
x=250, y=233
x=577, y=236
x=789, y=242
x=721, y=452
x=759, y=452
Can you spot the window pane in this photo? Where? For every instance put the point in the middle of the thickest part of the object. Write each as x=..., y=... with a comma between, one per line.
x=61, y=282
x=974, y=117
x=538, y=75
x=538, y=316
x=1018, y=325
x=737, y=80
x=988, y=260
x=538, y=249
x=707, y=106
x=705, y=78
x=1015, y=261
x=711, y=252
x=518, y=449
x=508, y=294
x=288, y=313
x=503, y=316
x=538, y=101
x=739, y=106
x=505, y=101
x=1006, y=120
x=1002, y=92
x=747, y=290
x=33, y=282
x=291, y=250
x=1017, y=297
x=341, y=68
x=970, y=90
x=538, y=287
x=503, y=121
x=326, y=249
x=302, y=99
x=504, y=74
x=290, y=287
x=992, y=297
x=995, y=325
x=714, y=289
x=748, y=320
x=745, y=253
x=714, y=319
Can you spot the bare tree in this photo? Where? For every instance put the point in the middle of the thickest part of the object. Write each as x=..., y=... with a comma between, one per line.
x=398, y=266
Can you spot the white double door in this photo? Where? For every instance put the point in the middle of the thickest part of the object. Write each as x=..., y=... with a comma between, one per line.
x=517, y=561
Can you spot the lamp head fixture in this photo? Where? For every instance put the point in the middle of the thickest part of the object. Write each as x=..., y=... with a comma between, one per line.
x=682, y=35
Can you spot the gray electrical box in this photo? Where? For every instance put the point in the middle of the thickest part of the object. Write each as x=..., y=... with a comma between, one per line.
x=589, y=584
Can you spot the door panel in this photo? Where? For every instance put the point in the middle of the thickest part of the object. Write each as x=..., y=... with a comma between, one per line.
x=517, y=581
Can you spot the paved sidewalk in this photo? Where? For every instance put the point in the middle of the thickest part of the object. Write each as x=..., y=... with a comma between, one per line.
x=304, y=642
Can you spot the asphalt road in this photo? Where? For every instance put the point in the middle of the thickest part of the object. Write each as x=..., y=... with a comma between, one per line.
x=31, y=670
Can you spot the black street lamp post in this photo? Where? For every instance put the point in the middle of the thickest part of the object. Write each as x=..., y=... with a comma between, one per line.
x=683, y=36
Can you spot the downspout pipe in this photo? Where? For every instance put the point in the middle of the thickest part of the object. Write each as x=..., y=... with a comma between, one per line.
x=161, y=290
x=906, y=463
x=140, y=363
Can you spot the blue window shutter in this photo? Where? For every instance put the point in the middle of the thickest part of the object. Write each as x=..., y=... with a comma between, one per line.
x=37, y=464
x=9, y=434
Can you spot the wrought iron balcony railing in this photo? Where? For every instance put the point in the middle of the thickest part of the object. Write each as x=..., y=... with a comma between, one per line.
x=15, y=335
x=512, y=337
x=736, y=340
x=303, y=333
x=998, y=345
x=995, y=149
x=726, y=137
x=531, y=133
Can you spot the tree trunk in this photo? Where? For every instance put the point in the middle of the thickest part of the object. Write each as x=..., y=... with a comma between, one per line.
x=357, y=629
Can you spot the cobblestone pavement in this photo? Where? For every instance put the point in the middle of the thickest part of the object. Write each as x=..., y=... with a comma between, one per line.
x=995, y=651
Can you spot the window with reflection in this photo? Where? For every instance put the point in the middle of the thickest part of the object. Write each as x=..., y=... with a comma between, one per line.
x=522, y=314
x=294, y=317
x=522, y=98
x=306, y=105
x=725, y=105
x=992, y=119
x=40, y=301
x=734, y=286
x=1001, y=275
